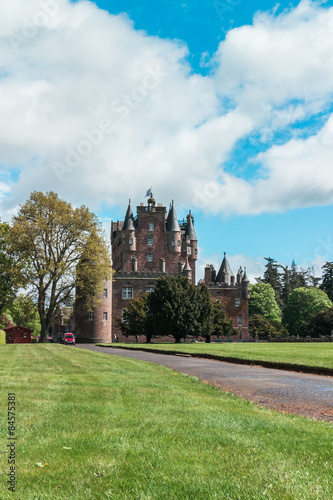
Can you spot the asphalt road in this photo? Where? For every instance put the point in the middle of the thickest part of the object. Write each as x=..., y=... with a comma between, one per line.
x=298, y=393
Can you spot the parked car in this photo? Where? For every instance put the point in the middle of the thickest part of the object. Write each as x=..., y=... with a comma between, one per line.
x=69, y=339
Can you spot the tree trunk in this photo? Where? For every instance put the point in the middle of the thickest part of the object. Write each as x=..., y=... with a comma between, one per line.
x=208, y=340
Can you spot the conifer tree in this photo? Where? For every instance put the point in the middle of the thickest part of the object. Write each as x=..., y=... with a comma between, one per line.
x=327, y=279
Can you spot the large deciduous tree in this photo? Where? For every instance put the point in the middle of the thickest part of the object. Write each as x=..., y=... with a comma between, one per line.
x=52, y=237
x=262, y=301
x=303, y=302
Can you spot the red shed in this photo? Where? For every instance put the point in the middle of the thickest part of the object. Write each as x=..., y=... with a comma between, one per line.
x=18, y=335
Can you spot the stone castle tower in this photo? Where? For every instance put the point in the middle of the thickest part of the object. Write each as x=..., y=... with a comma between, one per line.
x=151, y=244
x=233, y=294
x=148, y=245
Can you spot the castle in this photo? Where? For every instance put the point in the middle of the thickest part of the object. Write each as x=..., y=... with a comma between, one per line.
x=151, y=244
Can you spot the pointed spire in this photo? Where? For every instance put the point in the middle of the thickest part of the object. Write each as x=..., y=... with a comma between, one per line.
x=245, y=278
x=129, y=219
x=225, y=270
x=172, y=221
x=189, y=231
x=187, y=265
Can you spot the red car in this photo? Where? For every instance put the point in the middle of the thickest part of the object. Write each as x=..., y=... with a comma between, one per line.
x=69, y=339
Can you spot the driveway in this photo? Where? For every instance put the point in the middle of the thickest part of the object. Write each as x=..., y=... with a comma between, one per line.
x=301, y=394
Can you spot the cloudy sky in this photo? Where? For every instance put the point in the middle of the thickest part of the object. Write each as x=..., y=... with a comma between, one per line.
x=224, y=106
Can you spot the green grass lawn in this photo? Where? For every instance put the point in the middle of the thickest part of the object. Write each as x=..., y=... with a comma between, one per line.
x=109, y=427
x=318, y=355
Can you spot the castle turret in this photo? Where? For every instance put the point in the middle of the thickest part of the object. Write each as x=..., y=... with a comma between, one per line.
x=187, y=271
x=225, y=273
x=173, y=229
x=246, y=285
x=191, y=236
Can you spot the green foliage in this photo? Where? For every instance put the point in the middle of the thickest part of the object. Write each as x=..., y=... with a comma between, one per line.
x=2, y=337
x=262, y=301
x=273, y=278
x=5, y=322
x=25, y=313
x=176, y=308
x=301, y=303
x=327, y=281
x=9, y=270
x=261, y=326
x=51, y=237
x=220, y=325
x=173, y=308
x=134, y=321
x=319, y=324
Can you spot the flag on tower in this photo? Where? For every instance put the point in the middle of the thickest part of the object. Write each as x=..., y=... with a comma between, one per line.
x=148, y=193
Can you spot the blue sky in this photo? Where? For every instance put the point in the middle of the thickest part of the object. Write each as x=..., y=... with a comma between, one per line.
x=224, y=106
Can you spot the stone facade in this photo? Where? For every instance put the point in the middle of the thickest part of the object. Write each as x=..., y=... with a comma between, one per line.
x=233, y=294
x=96, y=326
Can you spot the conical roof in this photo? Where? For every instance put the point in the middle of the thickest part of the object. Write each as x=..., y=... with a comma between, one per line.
x=225, y=268
x=245, y=278
x=189, y=231
x=172, y=221
x=129, y=219
x=187, y=266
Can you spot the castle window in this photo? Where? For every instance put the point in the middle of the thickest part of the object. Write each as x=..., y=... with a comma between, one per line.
x=133, y=257
x=195, y=250
x=91, y=316
x=173, y=243
x=240, y=320
x=150, y=241
x=150, y=257
x=237, y=302
x=149, y=289
x=105, y=316
x=105, y=293
x=130, y=241
x=178, y=243
x=127, y=292
x=124, y=241
x=151, y=226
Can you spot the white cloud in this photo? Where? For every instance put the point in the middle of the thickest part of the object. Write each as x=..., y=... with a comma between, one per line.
x=82, y=65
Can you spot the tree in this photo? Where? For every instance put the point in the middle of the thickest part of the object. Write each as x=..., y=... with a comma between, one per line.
x=212, y=318
x=52, y=237
x=272, y=276
x=25, y=313
x=319, y=324
x=134, y=321
x=327, y=281
x=173, y=308
x=262, y=301
x=9, y=270
x=219, y=323
x=301, y=303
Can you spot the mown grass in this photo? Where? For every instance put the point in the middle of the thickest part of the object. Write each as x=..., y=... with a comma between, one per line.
x=316, y=355
x=117, y=428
